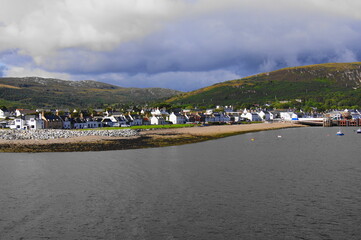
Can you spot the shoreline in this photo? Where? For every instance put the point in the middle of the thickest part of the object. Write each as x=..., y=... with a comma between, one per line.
x=146, y=139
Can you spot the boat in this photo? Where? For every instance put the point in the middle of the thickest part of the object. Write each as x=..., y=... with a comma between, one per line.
x=340, y=133
x=358, y=130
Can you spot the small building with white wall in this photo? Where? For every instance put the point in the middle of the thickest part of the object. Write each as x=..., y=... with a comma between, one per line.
x=157, y=120
x=288, y=116
x=177, y=118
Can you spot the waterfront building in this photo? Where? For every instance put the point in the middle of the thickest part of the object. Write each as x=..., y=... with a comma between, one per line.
x=177, y=118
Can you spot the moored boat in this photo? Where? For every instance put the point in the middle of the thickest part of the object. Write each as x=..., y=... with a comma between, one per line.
x=358, y=130
x=340, y=133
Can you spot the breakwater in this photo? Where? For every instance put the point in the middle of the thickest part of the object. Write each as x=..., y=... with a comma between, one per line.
x=46, y=134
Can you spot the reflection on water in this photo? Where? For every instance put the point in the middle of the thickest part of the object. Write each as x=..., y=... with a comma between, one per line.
x=305, y=184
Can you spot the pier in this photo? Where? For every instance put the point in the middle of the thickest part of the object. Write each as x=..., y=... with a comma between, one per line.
x=327, y=122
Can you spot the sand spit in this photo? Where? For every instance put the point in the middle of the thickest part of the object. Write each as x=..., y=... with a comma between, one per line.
x=135, y=140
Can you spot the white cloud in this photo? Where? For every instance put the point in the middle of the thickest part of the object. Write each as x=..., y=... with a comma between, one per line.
x=13, y=71
x=39, y=28
x=345, y=55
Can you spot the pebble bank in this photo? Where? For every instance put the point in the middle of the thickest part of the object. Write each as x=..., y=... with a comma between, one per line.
x=45, y=134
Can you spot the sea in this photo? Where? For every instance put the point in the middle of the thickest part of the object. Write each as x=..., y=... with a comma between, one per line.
x=299, y=183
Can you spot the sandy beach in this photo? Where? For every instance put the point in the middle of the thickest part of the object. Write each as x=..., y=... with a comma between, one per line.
x=221, y=129
x=147, y=138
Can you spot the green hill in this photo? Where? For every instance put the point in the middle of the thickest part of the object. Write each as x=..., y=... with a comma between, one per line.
x=331, y=84
x=55, y=93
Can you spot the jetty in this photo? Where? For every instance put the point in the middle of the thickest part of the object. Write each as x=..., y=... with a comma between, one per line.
x=328, y=122
x=342, y=122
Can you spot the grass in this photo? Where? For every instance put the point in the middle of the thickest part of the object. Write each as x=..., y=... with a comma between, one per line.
x=143, y=127
x=158, y=126
x=305, y=82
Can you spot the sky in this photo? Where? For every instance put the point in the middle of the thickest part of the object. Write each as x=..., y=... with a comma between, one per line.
x=177, y=44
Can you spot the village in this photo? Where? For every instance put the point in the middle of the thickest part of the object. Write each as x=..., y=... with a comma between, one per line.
x=26, y=119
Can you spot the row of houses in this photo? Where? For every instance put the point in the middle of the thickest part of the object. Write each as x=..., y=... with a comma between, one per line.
x=42, y=121
x=33, y=119
x=55, y=121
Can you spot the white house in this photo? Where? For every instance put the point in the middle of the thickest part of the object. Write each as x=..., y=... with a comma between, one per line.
x=157, y=120
x=4, y=113
x=244, y=113
x=121, y=121
x=30, y=122
x=177, y=118
x=272, y=116
x=109, y=121
x=18, y=124
x=156, y=112
x=92, y=123
x=265, y=115
x=236, y=117
x=159, y=112
x=288, y=116
x=81, y=123
x=252, y=116
x=112, y=121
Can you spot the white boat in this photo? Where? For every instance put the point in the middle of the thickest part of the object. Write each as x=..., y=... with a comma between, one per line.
x=340, y=133
x=358, y=130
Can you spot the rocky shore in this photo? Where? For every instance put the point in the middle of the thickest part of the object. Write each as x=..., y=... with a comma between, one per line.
x=46, y=134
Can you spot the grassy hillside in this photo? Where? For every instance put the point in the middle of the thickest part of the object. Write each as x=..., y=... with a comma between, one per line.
x=332, y=84
x=55, y=93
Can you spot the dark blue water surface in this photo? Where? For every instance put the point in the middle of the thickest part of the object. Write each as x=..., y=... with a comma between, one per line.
x=284, y=184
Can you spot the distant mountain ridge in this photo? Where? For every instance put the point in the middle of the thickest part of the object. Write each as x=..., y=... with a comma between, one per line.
x=52, y=93
x=47, y=82
x=331, y=85
x=318, y=82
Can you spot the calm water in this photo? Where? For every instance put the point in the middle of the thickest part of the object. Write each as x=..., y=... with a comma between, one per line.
x=303, y=185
